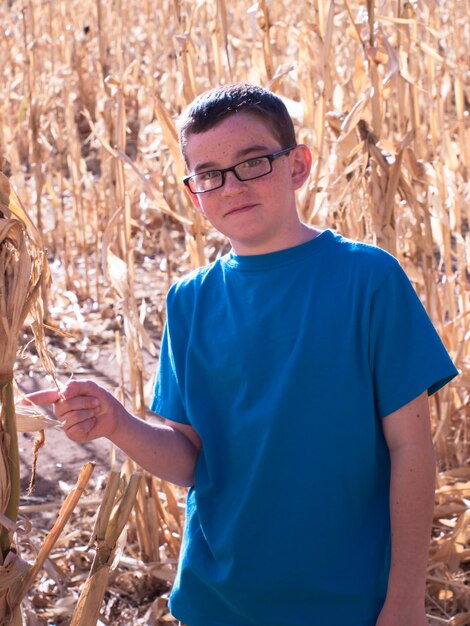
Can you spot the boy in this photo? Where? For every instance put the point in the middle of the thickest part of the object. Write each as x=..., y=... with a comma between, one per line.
x=293, y=380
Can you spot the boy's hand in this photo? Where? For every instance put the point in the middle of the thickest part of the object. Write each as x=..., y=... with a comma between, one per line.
x=86, y=409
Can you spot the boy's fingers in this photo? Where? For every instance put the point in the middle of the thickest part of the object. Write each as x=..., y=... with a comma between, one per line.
x=47, y=396
x=80, y=431
x=73, y=389
x=77, y=388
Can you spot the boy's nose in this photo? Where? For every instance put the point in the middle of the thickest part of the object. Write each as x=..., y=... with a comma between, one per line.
x=232, y=184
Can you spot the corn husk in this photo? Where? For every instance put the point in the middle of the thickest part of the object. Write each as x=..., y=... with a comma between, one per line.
x=30, y=420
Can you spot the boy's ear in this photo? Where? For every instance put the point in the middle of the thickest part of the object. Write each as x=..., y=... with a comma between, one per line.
x=301, y=165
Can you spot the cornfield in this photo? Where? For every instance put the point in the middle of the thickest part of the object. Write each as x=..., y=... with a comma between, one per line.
x=380, y=93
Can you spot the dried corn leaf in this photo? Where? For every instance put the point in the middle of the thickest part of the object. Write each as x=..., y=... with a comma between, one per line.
x=29, y=420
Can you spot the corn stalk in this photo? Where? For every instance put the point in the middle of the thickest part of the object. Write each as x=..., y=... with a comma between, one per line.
x=109, y=528
x=24, y=274
x=23, y=271
x=26, y=579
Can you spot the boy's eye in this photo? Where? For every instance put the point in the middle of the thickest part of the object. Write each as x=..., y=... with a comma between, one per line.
x=208, y=175
x=251, y=163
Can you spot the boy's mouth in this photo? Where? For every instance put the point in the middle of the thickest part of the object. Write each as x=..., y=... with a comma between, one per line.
x=240, y=209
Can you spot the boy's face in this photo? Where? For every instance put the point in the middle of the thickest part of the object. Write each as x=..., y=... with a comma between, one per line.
x=257, y=216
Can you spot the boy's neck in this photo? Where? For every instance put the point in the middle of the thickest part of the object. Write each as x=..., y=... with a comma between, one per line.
x=303, y=234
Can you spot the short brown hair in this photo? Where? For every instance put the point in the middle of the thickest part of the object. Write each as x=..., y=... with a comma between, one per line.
x=213, y=106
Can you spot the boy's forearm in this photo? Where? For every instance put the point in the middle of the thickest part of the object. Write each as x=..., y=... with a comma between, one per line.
x=160, y=449
x=411, y=511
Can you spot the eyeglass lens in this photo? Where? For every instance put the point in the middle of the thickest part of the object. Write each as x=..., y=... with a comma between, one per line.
x=252, y=168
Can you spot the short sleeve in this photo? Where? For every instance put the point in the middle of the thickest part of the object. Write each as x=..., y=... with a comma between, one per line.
x=407, y=355
x=167, y=399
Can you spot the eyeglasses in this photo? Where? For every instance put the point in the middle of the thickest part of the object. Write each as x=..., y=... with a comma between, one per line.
x=256, y=167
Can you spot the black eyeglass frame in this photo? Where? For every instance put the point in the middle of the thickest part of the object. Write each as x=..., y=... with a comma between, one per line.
x=271, y=157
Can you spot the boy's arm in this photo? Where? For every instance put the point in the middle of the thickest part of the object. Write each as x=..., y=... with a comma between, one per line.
x=169, y=450
x=408, y=435
x=88, y=411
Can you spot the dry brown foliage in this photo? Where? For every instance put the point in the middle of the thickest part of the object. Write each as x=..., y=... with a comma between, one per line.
x=380, y=94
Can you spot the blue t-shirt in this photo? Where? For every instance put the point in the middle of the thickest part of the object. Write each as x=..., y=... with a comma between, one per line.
x=284, y=364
